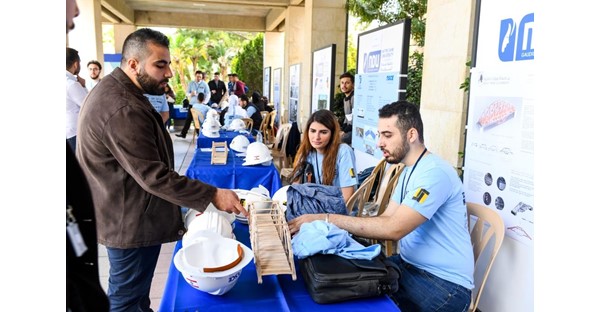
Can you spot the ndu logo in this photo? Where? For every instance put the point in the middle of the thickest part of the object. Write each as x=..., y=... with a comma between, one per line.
x=371, y=62
x=513, y=44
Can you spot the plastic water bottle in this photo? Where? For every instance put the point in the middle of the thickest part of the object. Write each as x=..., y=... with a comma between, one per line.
x=259, y=137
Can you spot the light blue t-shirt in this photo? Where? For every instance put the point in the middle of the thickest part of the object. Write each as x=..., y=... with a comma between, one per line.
x=159, y=102
x=199, y=87
x=345, y=167
x=442, y=244
x=203, y=108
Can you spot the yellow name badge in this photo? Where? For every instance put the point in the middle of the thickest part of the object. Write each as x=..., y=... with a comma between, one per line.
x=352, y=175
x=421, y=195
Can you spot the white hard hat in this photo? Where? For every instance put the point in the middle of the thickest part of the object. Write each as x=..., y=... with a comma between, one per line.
x=213, y=265
x=239, y=143
x=237, y=124
x=257, y=153
x=213, y=114
x=211, y=221
x=281, y=197
x=192, y=214
x=210, y=133
x=247, y=197
x=211, y=124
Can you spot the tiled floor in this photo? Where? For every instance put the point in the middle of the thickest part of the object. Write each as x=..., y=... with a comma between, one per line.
x=184, y=151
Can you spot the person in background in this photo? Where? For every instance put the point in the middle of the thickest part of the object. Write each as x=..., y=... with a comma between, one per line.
x=253, y=112
x=239, y=87
x=84, y=291
x=159, y=102
x=171, y=102
x=333, y=162
x=94, y=68
x=198, y=86
x=76, y=92
x=127, y=154
x=427, y=213
x=264, y=102
x=202, y=108
x=233, y=111
x=230, y=84
x=347, y=87
x=217, y=89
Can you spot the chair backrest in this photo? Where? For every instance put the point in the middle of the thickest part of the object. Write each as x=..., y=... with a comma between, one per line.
x=488, y=224
x=285, y=133
x=249, y=123
x=196, y=118
x=388, y=184
x=360, y=197
x=264, y=125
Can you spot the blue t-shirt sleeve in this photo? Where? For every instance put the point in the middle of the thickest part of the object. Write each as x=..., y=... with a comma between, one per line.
x=346, y=166
x=426, y=192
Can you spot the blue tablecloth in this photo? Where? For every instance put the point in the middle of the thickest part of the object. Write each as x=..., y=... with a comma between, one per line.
x=233, y=175
x=276, y=293
x=224, y=136
x=178, y=112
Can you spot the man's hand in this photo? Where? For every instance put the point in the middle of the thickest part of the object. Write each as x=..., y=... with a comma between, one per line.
x=295, y=224
x=228, y=201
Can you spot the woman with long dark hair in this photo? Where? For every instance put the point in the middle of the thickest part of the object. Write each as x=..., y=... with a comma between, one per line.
x=333, y=162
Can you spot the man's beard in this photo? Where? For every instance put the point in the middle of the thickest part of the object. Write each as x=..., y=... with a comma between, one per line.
x=94, y=78
x=397, y=155
x=149, y=84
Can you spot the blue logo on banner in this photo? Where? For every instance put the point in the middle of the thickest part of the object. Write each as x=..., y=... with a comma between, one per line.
x=371, y=63
x=389, y=77
x=513, y=44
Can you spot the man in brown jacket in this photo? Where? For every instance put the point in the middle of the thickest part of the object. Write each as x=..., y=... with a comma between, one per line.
x=127, y=155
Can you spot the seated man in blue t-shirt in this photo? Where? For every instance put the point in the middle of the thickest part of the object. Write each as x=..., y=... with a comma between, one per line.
x=427, y=214
x=203, y=108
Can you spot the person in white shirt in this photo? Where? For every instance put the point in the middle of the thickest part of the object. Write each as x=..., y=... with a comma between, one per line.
x=198, y=86
x=94, y=68
x=76, y=92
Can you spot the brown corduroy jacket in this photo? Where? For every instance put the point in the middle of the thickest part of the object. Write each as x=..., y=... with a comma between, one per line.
x=127, y=156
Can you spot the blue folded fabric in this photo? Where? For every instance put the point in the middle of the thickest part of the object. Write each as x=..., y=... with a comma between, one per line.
x=326, y=238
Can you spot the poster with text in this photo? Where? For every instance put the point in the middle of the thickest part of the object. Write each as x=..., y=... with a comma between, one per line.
x=499, y=145
x=277, y=93
x=267, y=82
x=380, y=79
x=322, y=80
x=294, y=92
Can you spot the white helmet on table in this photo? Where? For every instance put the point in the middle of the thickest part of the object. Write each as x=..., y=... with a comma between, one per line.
x=214, y=264
x=237, y=124
x=257, y=153
x=239, y=143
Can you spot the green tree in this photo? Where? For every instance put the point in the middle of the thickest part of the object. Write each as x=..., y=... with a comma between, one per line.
x=390, y=11
x=248, y=64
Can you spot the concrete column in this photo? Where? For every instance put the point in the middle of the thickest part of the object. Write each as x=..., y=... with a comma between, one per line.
x=318, y=24
x=274, y=46
x=447, y=48
x=293, y=51
x=121, y=32
x=87, y=35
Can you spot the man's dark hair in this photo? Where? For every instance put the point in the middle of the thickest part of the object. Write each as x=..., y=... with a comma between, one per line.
x=218, y=73
x=72, y=57
x=244, y=97
x=201, y=97
x=408, y=116
x=95, y=63
x=234, y=75
x=136, y=44
x=347, y=75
